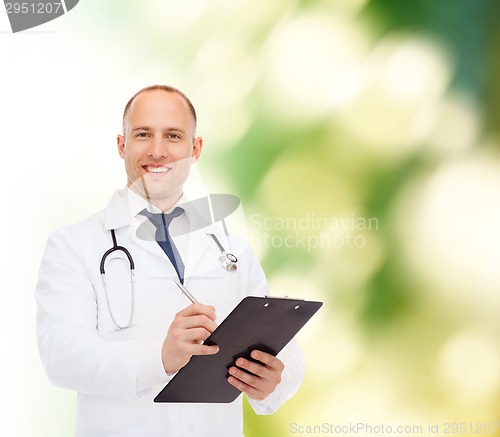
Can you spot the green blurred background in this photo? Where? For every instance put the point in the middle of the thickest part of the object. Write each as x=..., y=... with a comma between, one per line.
x=363, y=139
x=331, y=110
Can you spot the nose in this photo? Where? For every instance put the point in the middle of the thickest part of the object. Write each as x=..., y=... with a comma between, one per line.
x=157, y=149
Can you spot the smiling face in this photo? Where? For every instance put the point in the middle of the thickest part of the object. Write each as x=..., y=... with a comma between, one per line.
x=159, y=146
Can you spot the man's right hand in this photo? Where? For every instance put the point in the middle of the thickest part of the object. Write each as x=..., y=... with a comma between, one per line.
x=185, y=337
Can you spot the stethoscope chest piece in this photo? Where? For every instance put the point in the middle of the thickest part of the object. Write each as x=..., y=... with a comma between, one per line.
x=227, y=260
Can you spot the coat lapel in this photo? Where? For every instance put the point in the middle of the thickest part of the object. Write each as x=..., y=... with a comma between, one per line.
x=197, y=246
x=118, y=215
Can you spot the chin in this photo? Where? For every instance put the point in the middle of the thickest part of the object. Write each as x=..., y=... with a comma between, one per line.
x=145, y=185
x=159, y=196
x=156, y=192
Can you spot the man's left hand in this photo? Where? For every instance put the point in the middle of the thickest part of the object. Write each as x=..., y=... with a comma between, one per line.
x=263, y=377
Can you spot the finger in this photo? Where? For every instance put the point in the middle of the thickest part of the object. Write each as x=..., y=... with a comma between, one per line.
x=249, y=379
x=190, y=349
x=252, y=392
x=256, y=368
x=199, y=321
x=269, y=360
x=198, y=309
x=198, y=349
x=194, y=321
x=194, y=335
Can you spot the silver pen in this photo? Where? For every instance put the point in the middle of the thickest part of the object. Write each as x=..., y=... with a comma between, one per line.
x=186, y=292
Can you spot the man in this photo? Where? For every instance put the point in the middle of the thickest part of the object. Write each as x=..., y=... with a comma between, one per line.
x=118, y=337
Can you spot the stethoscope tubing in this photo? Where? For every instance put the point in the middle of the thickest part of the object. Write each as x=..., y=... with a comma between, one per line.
x=227, y=260
x=114, y=249
x=117, y=248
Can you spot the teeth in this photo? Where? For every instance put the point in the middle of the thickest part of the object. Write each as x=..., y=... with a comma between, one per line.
x=157, y=169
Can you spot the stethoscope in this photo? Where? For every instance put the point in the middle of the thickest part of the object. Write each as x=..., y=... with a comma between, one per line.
x=227, y=261
x=117, y=248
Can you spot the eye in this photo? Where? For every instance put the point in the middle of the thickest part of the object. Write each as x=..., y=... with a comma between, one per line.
x=173, y=136
x=141, y=135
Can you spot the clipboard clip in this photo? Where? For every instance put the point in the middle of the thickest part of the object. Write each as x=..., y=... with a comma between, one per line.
x=284, y=297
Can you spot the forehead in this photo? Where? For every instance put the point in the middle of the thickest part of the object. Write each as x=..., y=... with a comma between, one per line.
x=159, y=109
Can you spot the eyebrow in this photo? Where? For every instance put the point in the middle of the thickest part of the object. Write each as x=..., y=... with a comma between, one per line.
x=168, y=129
x=141, y=128
x=174, y=129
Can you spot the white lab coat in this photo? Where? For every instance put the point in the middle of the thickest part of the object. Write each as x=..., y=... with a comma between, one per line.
x=118, y=373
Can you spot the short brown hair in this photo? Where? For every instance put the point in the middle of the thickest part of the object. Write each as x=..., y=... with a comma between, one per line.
x=166, y=88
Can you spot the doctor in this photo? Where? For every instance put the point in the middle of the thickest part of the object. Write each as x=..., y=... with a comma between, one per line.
x=118, y=342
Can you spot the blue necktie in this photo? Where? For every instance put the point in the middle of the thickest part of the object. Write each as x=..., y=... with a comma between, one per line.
x=164, y=239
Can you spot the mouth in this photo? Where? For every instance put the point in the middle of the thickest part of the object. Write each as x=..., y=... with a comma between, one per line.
x=156, y=168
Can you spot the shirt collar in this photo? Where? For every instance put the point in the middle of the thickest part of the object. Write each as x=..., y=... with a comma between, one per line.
x=126, y=205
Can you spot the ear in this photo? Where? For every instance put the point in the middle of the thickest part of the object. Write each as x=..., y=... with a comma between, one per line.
x=197, y=146
x=120, y=142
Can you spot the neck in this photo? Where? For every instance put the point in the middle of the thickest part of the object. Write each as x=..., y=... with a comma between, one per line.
x=164, y=204
x=162, y=199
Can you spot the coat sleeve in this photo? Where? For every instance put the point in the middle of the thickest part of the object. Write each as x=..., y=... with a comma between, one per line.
x=291, y=355
x=73, y=354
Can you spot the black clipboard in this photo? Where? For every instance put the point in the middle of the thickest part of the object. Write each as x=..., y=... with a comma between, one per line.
x=263, y=323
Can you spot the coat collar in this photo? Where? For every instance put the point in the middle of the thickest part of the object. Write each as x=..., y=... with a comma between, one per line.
x=117, y=213
x=123, y=206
